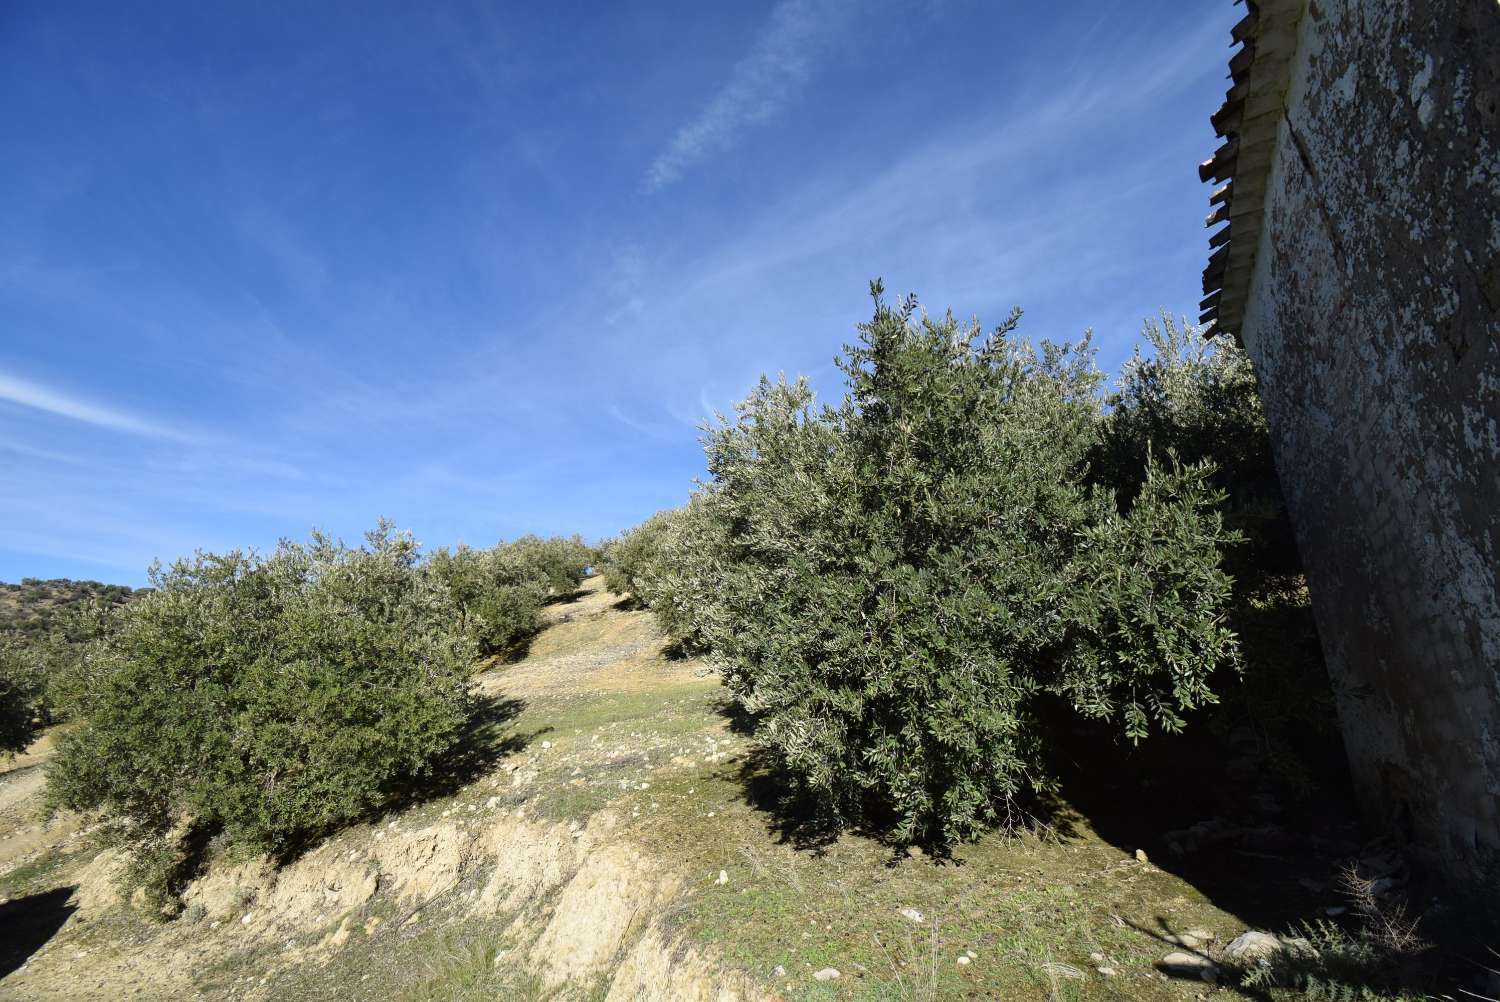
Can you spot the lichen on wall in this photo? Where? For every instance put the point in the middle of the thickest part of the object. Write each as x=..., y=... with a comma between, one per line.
x=1373, y=318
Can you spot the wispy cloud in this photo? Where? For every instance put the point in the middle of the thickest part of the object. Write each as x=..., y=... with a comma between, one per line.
x=759, y=86
x=940, y=216
x=49, y=401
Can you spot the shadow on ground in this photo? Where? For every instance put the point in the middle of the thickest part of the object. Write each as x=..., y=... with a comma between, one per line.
x=26, y=924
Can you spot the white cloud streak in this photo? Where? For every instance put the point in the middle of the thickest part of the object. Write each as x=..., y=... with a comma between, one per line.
x=758, y=87
x=40, y=398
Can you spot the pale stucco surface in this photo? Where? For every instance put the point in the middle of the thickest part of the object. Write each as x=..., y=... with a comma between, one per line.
x=1373, y=318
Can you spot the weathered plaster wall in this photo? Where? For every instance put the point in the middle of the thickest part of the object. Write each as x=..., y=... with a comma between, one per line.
x=1374, y=320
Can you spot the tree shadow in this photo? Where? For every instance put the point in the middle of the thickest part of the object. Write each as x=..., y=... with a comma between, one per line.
x=1252, y=803
x=680, y=650
x=1200, y=810
x=796, y=818
x=628, y=603
x=1210, y=808
x=516, y=651
x=486, y=740
x=567, y=598
x=26, y=924
x=1198, y=958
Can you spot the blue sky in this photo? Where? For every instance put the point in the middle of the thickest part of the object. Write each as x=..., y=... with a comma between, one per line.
x=481, y=268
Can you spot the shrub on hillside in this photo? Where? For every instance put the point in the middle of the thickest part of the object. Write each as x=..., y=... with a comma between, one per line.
x=500, y=591
x=22, y=677
x=892, y=585
x=623, y=559
x=50, y=624
x=271, y=697
x=38, y=608
x=498, y=597
x=665, y=565
x=559, y=562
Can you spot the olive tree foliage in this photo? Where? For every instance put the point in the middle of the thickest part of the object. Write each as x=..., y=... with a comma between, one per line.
x=22, y=686
x=891, y=586
x=498, y=601
x=1200, y=400
x=624, y=559
x=499, y=592
x=46, y=626
x=558, y=562
x=271, y=697
x=664, y=564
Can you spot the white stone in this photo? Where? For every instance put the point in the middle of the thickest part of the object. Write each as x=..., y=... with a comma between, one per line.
x=826, y=974
x=912, y=914
x=1252, y=948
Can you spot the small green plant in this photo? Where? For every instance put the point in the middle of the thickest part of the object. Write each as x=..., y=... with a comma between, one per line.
x=272, y=698
x=1329, y=964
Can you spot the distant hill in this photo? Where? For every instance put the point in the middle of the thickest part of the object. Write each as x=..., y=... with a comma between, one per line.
x=35, y=607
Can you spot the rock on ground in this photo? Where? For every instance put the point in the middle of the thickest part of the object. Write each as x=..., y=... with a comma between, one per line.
x=1252, y=948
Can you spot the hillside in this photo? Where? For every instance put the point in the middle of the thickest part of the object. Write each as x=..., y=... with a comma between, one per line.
x=36, y=607
x=607, y=833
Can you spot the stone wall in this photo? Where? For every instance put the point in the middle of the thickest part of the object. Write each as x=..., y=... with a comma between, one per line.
x=1373, y=317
